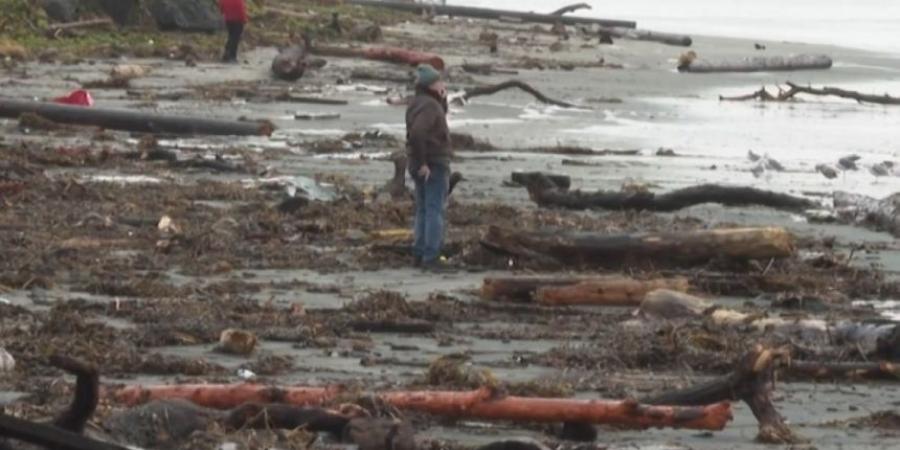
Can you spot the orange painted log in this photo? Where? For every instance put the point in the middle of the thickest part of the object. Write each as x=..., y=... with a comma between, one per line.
x=476, y=404
x=226, y=396
x=607, y=291
x=629, y=413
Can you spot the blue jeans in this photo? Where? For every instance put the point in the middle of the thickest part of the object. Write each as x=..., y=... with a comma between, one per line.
x=431, y=200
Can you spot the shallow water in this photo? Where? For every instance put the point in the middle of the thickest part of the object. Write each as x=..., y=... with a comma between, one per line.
x=865, y=24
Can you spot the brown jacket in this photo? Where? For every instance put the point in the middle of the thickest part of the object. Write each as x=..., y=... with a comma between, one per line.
x=427, y=133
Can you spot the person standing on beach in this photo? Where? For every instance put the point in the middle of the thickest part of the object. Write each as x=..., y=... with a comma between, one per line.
x=235, y=14
x=428, y=147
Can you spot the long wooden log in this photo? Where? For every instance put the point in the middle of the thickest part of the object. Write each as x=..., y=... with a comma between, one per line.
x=551, y=195
x=753, y=381
x=513, y=84
x=611, y=291
x=117, y=119
x=756, y=64
x=476, y=405
x=492, y=14
x=526, y=179
x=601, y=290
x=385, y=54
x=647, y=35
x=817, y=370
x=659, y=249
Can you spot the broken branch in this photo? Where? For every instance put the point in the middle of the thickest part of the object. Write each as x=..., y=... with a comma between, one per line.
x=493, y=89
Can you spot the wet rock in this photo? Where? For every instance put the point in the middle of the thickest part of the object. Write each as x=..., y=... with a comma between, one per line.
x=159, y=424
x=185, y=15
x=61, y=10
x=380, y=434
x=123, y=12
x=7, y=362
x=237, y=342
x=290, y=63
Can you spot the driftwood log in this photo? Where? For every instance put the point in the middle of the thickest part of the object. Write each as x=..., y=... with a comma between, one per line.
x=755, y=64
x=492, y=14
x=753, y=382
x=793, y=90
x=548, y=193
x=563, y=182
x=555, y=291
x=117, y=119
x=513, y=84
x=816, y=370
x=570, y=9
x=385, y=54
x=658, y=249
x=647, y=35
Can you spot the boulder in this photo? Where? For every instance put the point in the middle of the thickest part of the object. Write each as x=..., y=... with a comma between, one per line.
x=186, y=15
x=61, y=10
x=123, y=12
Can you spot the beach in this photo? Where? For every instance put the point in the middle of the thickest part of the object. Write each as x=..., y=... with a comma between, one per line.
x=236, y=260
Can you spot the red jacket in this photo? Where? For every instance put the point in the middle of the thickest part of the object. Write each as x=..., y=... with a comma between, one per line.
x=233, y=10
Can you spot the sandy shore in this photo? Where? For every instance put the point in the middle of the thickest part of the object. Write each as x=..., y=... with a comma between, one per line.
x=659, y=108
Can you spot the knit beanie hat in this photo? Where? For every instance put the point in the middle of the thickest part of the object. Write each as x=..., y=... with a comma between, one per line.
x=426, y=75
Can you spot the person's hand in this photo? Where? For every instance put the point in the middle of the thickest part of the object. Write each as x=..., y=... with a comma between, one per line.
x=425, y=172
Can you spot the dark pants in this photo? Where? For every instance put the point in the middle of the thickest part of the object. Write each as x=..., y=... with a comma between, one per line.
x=431, y=201
x=235, y=30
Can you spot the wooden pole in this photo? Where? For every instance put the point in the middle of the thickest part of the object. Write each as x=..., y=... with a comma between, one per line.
x=492, y=14
x=118, y=119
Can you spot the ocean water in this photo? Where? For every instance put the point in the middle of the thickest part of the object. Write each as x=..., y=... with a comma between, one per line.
x=866, y=24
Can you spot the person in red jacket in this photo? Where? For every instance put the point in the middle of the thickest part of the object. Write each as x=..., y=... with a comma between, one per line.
x=235, y=14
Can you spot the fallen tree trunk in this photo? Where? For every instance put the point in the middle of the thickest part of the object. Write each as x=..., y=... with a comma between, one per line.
x=132, y=121
x=854, y=371
x=786, y=95
x=495, y=88
x=526, y=179
x=492, y=14
x=659, y=249
x=752, y=381
x=603, y=290
x=757, y=64
x=613, y=291
x=386, y=54
x=552, y=195
x=479, y=405
x=54, y=30
x=647, y=35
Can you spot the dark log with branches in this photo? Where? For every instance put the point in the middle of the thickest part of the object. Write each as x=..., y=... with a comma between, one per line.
x=660, y=249
x=805, y=370
x=679, y=40
x=491, y=14
x=752, y=381
x=563, y=182
x=793, y=90
x=117, y=119
x=547, y=193
x=514, y=84
x=570, y=9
